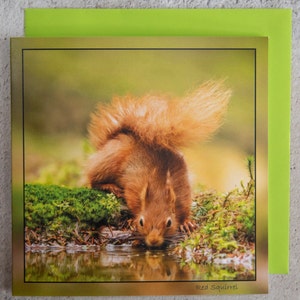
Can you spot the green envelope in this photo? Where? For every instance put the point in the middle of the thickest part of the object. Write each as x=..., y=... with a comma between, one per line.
x=273, y=23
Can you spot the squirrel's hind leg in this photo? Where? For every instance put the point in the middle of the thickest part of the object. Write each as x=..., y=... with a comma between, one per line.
x=109, y=187
x=105, y=168
x=103, y=173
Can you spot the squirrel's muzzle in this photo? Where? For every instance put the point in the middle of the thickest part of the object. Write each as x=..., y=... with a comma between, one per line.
x=154, y=239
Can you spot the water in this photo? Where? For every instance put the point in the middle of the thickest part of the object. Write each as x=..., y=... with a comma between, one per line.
x=124, y=263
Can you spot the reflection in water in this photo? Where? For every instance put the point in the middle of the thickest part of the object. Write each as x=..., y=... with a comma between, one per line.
x=122, y=263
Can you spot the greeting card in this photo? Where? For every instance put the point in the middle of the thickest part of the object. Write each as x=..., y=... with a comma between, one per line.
x=140, y=165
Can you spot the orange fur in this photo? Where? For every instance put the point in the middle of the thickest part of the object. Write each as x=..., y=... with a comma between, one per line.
x=138, y=158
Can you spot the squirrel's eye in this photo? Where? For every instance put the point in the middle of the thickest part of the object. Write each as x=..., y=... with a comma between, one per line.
x=142, y=222
x=169, y=222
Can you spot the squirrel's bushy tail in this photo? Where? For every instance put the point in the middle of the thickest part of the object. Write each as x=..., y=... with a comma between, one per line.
x=157, y=121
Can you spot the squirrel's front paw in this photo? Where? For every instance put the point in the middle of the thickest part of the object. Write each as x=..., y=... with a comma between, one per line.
x=188, y=226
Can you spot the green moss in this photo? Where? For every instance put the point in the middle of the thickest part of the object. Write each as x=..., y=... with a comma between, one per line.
x=53, y=211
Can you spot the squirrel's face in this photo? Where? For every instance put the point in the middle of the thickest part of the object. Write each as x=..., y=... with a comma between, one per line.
x=156, y=229
x=157, y=220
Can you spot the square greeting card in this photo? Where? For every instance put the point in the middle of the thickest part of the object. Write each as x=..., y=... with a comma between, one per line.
x=140, y=165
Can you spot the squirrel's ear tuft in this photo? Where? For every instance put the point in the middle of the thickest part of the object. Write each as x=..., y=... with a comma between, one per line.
x=143, y=196
x=170, y=194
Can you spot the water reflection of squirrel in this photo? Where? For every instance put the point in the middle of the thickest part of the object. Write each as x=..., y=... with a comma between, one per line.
x=159, y=267
x=137, y=156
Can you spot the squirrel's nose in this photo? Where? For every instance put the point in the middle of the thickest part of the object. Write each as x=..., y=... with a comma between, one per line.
x=154, y=239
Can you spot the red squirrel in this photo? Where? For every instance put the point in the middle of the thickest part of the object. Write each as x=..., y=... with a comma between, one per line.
x=138, y=157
